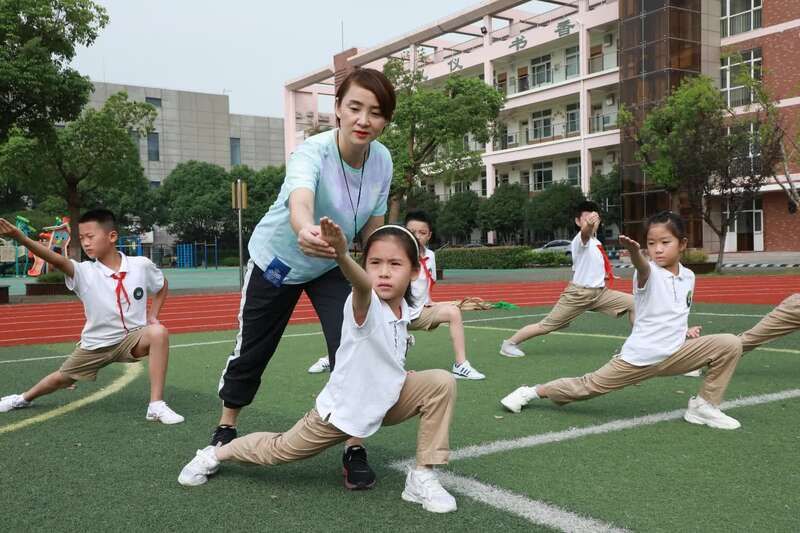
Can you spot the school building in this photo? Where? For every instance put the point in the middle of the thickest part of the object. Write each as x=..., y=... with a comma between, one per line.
x=567, y=65
x=194, y=126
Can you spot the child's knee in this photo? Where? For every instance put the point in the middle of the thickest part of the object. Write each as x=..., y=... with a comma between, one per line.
x=731, y=344
x=158, y=332
x=443, y=380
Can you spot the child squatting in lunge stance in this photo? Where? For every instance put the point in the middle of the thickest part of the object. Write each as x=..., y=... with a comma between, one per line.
x=369, y=386
x=781, y=321
x=661, y=343
x=113, y=289
x=589, y=289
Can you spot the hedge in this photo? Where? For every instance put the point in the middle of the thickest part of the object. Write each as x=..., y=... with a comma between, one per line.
x=230, y=261
x=55, y=276
x=498, y=257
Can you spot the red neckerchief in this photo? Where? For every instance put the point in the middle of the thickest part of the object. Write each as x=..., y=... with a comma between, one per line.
x=607, y=266
x=431, y=282
x=120, y=288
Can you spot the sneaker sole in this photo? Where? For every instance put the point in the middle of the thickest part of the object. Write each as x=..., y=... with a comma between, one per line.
x=509, y=407
x=459, y=376
x=407, y=496
x=356, y=486
x=692, y=419
x=154, y=418
x=504, y=354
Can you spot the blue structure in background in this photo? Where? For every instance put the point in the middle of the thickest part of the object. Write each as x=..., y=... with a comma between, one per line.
x=185, y=253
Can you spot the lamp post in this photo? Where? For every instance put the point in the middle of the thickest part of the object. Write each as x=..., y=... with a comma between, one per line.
x=239, y=202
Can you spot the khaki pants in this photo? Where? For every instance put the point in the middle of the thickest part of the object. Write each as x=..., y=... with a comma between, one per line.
x=720, y=353
x=781, y=321
x=83, y=365
x=576, y=300
x=429, y=393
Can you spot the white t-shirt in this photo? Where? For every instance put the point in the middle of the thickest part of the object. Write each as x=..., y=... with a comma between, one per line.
x=93, y=284
x=661, y=309
x=420, y=287
x=587, y=263
x=370, y=369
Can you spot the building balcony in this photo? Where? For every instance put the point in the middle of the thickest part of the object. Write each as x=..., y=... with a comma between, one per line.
x=601, y=123
x=537, y=134
x=603, y=62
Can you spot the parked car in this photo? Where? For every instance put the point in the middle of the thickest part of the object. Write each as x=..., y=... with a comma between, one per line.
x=558, y=245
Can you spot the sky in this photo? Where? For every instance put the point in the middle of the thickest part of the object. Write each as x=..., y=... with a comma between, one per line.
x=247, y=49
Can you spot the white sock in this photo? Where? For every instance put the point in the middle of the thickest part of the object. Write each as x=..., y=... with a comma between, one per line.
x=532, y=393
x=156, y=404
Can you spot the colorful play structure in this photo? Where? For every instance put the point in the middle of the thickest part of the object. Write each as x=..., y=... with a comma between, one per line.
x=56, y=238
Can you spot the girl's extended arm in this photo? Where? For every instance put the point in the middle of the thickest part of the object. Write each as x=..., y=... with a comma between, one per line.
x=638, y=260
x=362, y=285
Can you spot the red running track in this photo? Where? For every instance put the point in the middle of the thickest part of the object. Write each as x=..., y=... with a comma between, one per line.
x=59, y=322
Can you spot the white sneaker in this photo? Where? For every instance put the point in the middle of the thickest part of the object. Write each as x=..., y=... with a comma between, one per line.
x=693, y=374
x=204, y=464
x=515, y=401
x=322, y=365
x=160, y=411
x=15, y=401
x=423, y=487
x=703, y=413
x=511, y=349
x=466, y=371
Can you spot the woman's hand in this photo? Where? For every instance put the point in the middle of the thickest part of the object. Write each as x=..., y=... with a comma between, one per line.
x=331, y=233
x=310, y=242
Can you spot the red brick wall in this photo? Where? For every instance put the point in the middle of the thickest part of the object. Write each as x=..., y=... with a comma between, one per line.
x=777, y=11
x=780, y=60
x=781, y=229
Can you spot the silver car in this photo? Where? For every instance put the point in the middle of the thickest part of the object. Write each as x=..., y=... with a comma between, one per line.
x=558, y=245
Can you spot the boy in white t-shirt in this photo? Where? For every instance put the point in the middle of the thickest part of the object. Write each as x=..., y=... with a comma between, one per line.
x=113, y=289
x=427, y=315
x=588, y=290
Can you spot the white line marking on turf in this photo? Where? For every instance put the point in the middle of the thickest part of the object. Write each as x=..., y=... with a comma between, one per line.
x=543, y=513
x=131, y=373
x=534, y=511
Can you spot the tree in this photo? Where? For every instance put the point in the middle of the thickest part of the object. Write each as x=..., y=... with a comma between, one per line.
x=605, y=190
x=426, y=135
x=553, y=209
x=504, y=211
x=94, y=157
x=421, y=198
x=458, y=216
x=695, y=145
x=263, y=187
x=37, y=87
x=195, y=202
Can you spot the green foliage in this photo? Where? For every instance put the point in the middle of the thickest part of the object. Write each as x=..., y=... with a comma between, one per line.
x=421, y=198
x=504, y=211
x=426, y=135
x=38, y=39
x=458, y=216
x=55, y=276
x=92, y=161
x=605, y=190
x=230, y=261
x=499, y=257
x=694, y=255
x=553, y=209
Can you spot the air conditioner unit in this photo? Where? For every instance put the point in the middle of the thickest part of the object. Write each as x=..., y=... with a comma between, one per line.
x=298, y=115
x=611, y=157
x=310, y=114
x=324, y=118
x=608, y=39
x=610, y=99
x=557, y=67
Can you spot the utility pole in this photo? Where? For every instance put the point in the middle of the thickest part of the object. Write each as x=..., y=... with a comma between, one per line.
x=239, y=202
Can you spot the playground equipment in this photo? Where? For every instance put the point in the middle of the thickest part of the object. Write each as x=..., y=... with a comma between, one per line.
x=12, y=254
x=130, y=245
x=56, y=238
x=196, y=254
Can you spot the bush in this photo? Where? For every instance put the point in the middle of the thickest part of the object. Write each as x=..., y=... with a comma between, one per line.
x=55, y=276
x=230, y=261
x=499, y=257
x=694, y=255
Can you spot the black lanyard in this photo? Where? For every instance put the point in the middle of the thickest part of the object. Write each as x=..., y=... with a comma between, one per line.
x=347, y=185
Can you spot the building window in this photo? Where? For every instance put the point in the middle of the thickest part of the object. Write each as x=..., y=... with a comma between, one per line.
x=522, y=79
x=152, y=147
x=574, y=171
x=155, y=184
x=542, y=125
x=484, y=189
x=571, y=68
x=541, y=71
x=155, y=102
x=525, y=179
x=500, y=83
x=542, y=175
x=503, y=179
x=739, y=16
x=460, y=186
x=573, y=119
x=236, y=151
x=731, y=72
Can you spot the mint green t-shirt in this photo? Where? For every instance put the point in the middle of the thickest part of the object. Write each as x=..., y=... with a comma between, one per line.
x=315, y=165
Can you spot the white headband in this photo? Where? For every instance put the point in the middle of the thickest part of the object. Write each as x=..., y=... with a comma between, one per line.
x=410, y=236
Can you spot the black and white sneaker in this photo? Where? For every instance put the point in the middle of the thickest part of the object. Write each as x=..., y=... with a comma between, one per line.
x=357, y=473
x=223, y=435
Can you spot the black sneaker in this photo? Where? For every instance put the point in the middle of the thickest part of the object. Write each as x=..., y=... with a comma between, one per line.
x=357, y=473
x=223, y=435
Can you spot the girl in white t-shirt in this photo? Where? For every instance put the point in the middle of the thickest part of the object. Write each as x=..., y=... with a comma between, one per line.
x=369, y=386
x=661, y=343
